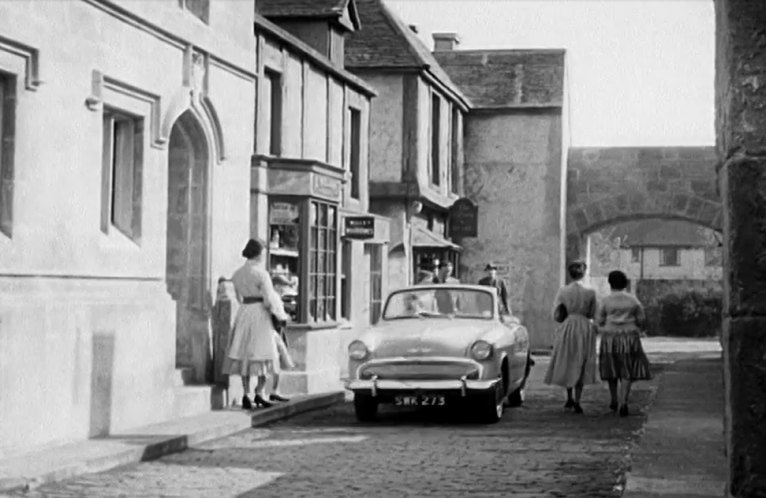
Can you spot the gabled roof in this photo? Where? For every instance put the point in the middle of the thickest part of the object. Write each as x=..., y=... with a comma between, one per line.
x=660, y=233
x=303, y=9
x=507, y=78
x=386, y=42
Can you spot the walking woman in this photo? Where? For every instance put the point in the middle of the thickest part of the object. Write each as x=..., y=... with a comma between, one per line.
x=573, y=363
x=253, y=349
x=621, y=356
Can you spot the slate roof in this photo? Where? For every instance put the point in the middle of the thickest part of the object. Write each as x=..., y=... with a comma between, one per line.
x=507, y=78
x=300, y=8
x=386, y=42
x=284, y=9
x=660, y=233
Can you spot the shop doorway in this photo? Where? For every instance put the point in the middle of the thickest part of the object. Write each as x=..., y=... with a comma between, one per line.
x=187, y=267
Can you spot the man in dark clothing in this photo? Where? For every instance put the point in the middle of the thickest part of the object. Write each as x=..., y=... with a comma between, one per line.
x=491, y=280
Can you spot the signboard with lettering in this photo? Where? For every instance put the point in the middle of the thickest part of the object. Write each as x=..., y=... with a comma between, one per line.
x=360, y=227
x=464, y=219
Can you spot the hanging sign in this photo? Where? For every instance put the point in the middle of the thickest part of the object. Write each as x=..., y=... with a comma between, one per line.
x=359, y=227
x=463, y=219
x=283, y=213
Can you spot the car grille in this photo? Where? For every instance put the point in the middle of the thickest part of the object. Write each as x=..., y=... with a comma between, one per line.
x=420, y=370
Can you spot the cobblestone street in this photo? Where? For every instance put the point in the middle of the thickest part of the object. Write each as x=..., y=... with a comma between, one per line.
x=536, y=450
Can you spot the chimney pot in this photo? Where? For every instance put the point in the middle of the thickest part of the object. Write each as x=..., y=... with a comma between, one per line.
x=444, y=42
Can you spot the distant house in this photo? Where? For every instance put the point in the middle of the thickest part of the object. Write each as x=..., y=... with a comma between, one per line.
x=657, y=250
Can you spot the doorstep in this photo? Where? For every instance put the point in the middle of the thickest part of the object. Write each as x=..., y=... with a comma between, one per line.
x=37, y=467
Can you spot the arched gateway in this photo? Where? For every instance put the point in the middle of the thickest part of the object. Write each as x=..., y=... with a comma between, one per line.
x=610, y=185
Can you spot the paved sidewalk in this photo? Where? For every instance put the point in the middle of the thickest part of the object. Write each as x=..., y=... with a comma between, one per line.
x=681, y=453
x=45, y=465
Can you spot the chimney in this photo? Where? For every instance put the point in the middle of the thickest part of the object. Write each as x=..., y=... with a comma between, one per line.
x=444, y=42
x=414, y=28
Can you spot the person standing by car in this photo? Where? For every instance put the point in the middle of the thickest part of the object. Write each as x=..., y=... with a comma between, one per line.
x=573, y=363
x=491, y=280
x=253, y=349
x=621, y=357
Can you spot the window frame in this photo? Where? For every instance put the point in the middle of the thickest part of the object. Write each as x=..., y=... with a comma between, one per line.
x=355, y=151
x=8, y=83
x=307, y=284
x=273, y=79
x=120, y=127
x=376, y=281
x=635, y=254
x=664, y=260
x=454, y=163
x=435, y=152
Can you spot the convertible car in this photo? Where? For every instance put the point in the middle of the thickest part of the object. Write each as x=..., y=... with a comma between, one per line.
x=440, y=345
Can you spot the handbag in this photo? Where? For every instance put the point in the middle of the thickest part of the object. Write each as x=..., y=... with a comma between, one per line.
x=560, y=313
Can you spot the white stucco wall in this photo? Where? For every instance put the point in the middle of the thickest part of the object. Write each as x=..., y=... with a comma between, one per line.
x=386, y=127
x=87, y=329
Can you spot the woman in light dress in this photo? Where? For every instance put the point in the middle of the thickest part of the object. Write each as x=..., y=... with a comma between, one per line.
x=254, y=348
x=621, y=357
x=573, y=363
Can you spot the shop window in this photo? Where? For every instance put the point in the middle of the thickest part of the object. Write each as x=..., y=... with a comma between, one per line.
x=7, y=128
x=322, y=271
x=669, y=256
x=273, y=98
x=426, y=260
x=284, y=253
x=345, y=281
x=435, y=133
x=198, y=8
x=375, y=252
x=355, y=152
x=455, y=151
x=122, y=167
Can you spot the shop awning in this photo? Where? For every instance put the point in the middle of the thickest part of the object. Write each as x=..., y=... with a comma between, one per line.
x=427, y=238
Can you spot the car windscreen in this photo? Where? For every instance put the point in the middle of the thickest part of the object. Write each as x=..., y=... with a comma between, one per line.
x=439, y=302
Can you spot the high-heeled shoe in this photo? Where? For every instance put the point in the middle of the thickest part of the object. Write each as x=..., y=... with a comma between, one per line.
x=277, y=397
x=569, y=404
x=613, y=406
x=577, y=408
x=246, y=404
x=259, y=401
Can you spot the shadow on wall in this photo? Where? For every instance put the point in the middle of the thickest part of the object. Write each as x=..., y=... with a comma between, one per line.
x=682, y=308
x=101, y=382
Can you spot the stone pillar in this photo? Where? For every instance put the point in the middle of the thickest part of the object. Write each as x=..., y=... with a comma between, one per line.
x=741, y=134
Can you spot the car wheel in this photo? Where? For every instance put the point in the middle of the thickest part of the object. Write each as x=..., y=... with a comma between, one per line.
x=493, y=404
x=365, y=407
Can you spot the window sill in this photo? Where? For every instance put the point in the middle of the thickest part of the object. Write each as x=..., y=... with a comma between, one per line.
x=307, y=327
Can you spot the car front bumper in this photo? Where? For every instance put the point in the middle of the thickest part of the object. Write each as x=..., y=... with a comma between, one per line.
x=462, y=387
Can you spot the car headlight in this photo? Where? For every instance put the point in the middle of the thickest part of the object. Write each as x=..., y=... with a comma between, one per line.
x=481, y=350
x=357, y=350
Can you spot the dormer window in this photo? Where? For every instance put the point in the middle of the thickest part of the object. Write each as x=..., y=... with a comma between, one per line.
x=198, y=8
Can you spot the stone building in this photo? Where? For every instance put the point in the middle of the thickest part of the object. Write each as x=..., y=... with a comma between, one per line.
x=309, y=190
x=516, y=141
x=125, y=148
x=416, y=139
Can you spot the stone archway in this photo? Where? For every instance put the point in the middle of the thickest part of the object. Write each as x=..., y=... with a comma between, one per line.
x=188, y=248
x=606, y=186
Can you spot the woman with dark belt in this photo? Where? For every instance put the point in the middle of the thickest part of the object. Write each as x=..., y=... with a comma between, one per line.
x=253, y=349
x=621, y=357
x=573, y=363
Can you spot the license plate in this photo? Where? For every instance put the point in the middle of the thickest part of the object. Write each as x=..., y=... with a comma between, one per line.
x=422, y=400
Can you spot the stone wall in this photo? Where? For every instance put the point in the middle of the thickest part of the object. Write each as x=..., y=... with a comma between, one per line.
x=741, y=132
x=513, y=164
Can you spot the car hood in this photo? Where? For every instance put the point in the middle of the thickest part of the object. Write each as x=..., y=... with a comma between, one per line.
x=428, y=337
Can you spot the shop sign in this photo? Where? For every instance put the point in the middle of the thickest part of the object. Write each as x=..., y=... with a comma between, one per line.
x=464, y=219
x=360, y=227
x=324, y=186
x=283, y=213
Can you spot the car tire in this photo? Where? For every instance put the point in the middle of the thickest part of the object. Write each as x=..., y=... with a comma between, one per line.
x=365, y=407
x=493, y=404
